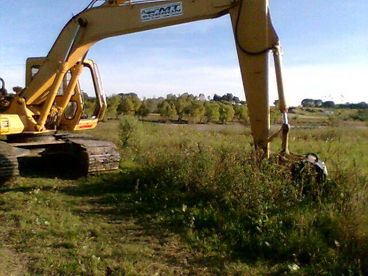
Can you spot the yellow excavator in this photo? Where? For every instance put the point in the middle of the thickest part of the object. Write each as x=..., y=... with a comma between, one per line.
x=52, y=101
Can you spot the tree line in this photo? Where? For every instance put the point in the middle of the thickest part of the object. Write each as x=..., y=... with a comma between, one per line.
x=181, y=108
x=188, y=108
x=331, y=104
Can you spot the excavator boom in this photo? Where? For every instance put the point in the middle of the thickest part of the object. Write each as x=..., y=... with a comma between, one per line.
x=253, y=32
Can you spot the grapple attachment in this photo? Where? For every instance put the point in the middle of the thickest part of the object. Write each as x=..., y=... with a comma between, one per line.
x=300, y=165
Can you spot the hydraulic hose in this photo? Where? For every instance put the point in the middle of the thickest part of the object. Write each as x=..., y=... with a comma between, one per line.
x=237, y=38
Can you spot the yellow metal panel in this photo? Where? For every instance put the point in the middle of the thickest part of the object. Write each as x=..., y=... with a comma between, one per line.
x=10, y=124
x=222, y=3
x=86, y=124
x=33, y=62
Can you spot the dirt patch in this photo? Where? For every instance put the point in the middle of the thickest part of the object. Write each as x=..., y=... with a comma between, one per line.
x=11, y=263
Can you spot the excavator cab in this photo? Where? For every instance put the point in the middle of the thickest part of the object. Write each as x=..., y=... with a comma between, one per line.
x=83, y=108
x=72, y=109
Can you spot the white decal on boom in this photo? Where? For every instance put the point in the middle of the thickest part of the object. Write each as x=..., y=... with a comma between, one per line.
x=161, y=12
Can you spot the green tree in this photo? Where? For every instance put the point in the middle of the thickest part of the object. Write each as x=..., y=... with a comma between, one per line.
x=241, y=112
x=171, y=98
x=137, y=103
x=181, y=106
x=212, y=111
x=89, y=105
x=123, y=105
x=167, y=110
x=112, y=106
x=127, y=106
x=153, y=104
x=226, y=113
x=143, y=110
x=196, y=111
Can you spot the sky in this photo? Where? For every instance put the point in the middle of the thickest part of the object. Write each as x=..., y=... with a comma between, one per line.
x=325, y=46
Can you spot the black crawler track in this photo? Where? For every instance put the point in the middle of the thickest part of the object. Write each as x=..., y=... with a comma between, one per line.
x=95, y=156
x=92, y=156
x=8, y=162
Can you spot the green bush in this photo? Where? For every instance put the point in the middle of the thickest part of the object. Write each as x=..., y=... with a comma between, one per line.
x=361, y=115
x=129, y=130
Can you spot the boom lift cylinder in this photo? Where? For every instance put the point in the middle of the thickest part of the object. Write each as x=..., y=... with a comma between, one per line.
x=52, y=95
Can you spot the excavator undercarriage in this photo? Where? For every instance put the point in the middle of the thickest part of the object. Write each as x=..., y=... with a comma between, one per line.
x=89, y=154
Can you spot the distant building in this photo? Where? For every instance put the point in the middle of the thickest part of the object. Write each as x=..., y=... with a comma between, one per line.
x=328, y=112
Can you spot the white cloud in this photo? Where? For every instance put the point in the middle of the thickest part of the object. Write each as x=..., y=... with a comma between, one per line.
x=150, y=81
x=14, y=75
x=340, y=83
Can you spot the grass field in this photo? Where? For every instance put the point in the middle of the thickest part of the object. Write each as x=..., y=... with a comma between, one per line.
x=189, y=200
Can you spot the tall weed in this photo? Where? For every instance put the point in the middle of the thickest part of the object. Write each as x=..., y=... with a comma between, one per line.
x=206, y=187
